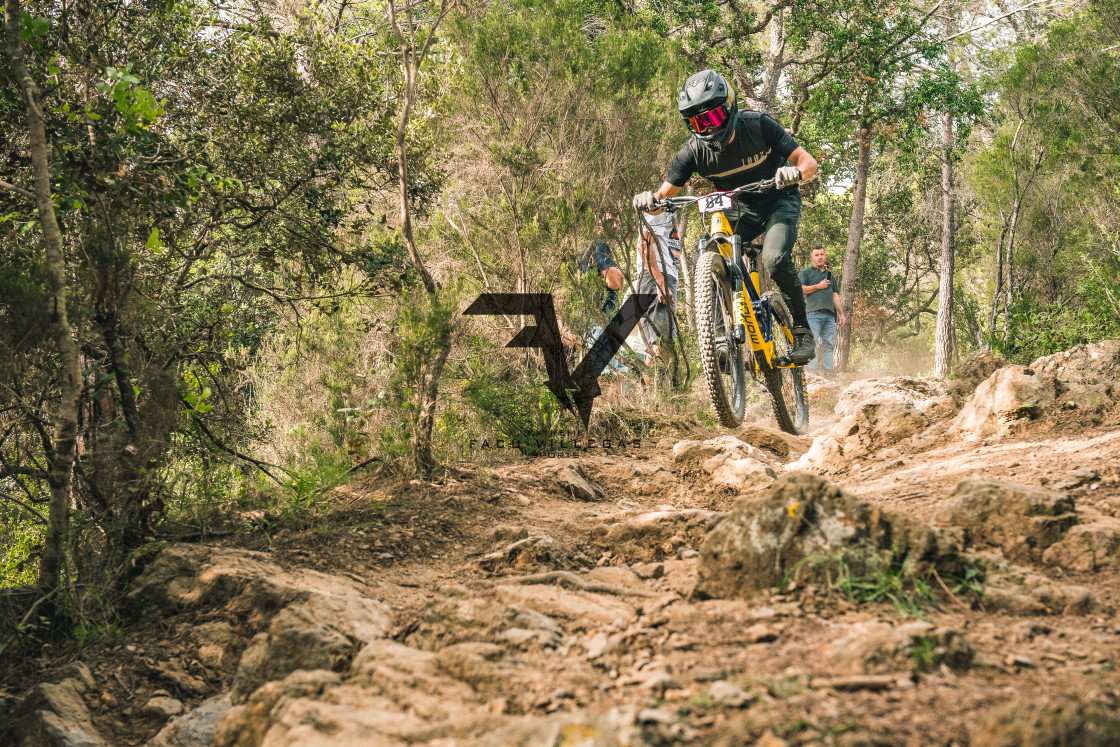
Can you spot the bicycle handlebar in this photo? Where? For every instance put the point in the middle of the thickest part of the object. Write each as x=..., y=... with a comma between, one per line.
x=672, y=204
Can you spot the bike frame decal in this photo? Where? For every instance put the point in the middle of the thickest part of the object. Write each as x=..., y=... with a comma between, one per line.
x=720, y=225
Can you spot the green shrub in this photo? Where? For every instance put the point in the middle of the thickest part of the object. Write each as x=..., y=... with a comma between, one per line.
x=527, y=415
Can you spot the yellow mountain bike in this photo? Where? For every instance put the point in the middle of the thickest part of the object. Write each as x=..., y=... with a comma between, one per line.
x=732, y=318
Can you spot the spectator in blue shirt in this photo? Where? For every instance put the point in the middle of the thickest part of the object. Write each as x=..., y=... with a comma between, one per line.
x=822, y=306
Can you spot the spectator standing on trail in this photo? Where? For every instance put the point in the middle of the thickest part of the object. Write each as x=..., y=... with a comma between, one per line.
x=658, y=254
x=599, y=259
x=822, y=306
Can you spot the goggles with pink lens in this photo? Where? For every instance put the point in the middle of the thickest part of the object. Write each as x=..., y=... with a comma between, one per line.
x=704, y=123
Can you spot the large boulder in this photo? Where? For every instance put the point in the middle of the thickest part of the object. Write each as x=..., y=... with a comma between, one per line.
x=1009, y=396
x=1022, y=520
x=805, y=530
x=1098, y=363
x=873, y=414
x=925, y=394
x=1083, y=377
x=878, y=421
x=974, y=368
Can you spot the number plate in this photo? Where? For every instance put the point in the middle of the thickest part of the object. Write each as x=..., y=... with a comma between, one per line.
x=714, y=203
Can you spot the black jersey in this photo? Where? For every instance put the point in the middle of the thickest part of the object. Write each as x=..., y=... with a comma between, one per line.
x=760, y=147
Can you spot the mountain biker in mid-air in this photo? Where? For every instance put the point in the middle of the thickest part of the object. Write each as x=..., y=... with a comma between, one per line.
x=733, y=148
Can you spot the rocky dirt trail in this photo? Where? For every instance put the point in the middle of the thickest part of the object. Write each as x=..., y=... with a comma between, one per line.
x=938, y=564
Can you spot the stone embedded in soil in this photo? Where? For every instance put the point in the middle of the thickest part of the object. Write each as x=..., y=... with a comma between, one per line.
x=475, y=618
x=697, y=452
x=656, y=535
x=875, y=647
x=196, y=727
x=54, y=715
x=873, y=414
x=1022, y=520
x=925, y=395
x=248, y=585
x=619, y=726
x=743, y=474
x=392, y=694
x=876, y=422
x=729, y=695
x=531, y=553
x=1062, y=721
x=1020, y=591
x=1076, y=479
x=802, y=529
x=784, y=445
x=163, y=707
x=580, y=607
x=568, y=477
x=1086, y=547
x=825, y=456
x=477, y=663
x=216, y=642
x=323, y=632
x=649, y=570
x=80, y=675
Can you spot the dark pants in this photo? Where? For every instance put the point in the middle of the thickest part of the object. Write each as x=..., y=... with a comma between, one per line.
x=777, y=217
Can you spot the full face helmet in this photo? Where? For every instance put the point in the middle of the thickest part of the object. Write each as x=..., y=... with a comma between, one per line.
x=707, y=103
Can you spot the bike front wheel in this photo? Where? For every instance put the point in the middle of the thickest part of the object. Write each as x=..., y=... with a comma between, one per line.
x=720, y=355
x=786, y=385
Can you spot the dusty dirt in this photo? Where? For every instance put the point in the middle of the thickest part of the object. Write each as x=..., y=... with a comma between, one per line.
x=761, y=670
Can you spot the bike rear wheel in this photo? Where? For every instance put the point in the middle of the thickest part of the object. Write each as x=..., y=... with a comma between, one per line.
x=715, y=323
x=786, y=385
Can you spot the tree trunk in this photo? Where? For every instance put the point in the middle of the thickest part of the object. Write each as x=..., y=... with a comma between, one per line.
x=66, y=416
x=775, y=62
x=851, y=253
x=1009, y=278
x=402, y=183
x=944, y=346
x=411, y=59
x=999, y=287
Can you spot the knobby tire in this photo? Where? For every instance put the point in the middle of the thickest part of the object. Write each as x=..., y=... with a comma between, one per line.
x=712, y=283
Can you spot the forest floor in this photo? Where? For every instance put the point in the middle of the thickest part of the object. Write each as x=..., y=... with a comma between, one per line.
x=554, y=601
